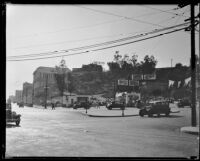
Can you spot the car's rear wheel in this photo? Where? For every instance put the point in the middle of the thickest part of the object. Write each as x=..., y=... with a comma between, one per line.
x=167, y=114
x=141, y=113
x=150, y=114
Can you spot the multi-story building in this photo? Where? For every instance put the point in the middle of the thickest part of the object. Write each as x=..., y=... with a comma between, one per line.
x=18, y=96
x=44, y=84
x=198, y=83
x=12, y=98
x=27, y=93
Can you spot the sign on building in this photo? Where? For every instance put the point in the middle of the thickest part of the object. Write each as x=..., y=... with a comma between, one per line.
x=136, y=76
x=150, y=76
x=122, y=82
x=133, y=83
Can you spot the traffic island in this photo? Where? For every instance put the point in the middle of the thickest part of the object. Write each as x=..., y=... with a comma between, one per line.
x=104, y=112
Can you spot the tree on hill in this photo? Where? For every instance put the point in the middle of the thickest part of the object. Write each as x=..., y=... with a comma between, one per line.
x=71, y=83
x=92, y=67
x=61, y=78
x=148, y=65
x=179, y=73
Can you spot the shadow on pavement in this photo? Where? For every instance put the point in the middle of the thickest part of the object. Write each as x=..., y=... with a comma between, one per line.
x=163, y=116
x=9, y=125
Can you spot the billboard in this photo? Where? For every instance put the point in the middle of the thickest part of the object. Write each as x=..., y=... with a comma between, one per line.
x=137, y=77
x=133, y=83
x=150, y=76
x=122, y=82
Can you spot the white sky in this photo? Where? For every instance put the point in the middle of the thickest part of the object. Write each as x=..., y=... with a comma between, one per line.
x=33, y=29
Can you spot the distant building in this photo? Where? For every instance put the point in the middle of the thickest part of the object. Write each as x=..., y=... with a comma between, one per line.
x=12, y=98
x=198, y=82
x=18, y=96
x=44, y=77
x=27, y=93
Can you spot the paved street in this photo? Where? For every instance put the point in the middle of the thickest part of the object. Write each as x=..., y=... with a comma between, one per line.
x=70, y=133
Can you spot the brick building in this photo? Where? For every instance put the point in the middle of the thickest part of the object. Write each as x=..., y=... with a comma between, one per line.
x=44, y=77
x=18, y=96
x=27, y=93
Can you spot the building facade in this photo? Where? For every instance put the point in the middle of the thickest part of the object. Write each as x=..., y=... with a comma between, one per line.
x=18, y=96
x=12, y=98
x=27, y=93
x=44, y=84
x=198, y=83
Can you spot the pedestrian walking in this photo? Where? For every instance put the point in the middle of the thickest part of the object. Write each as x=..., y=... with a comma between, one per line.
x=53, y=106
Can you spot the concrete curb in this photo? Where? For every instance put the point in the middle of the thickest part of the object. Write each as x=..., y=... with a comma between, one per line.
x=129, y=115
x=190, y=130
x=111, y=115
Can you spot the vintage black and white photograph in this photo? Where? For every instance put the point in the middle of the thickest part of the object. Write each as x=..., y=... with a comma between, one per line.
x=98, y=80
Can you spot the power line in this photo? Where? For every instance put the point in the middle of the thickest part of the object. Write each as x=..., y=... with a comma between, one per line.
x=70, y=41
x=159, y=41
x=140, y=40
x=100, y=44
x=75, y=28
x=162, y=10
x=105, y=43
x=128, y=18
x=88, y=26
x=105, y=47
x=62, y=42
x=50, y=56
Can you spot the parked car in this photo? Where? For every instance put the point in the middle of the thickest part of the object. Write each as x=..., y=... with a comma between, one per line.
x=81, y=105
x=115, y=104
x=155, y=107
x=12, y=116
x=21, y=104
x=183, y=102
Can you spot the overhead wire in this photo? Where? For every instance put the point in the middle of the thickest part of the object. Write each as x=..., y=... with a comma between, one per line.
x=160, y=40
x=123, y=18
x=100, y=44
x=81, y=27
x=128, y=18
x=74, y=28
x=105, y=47
x=161, y=10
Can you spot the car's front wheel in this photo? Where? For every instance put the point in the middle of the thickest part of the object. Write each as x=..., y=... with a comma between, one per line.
x=167, y=113
x=17, y=123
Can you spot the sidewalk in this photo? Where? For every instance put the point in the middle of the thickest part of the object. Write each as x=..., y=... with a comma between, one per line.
x=192, y=129
x=104, y=112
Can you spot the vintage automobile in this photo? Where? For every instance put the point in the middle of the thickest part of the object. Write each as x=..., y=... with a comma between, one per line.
x=155, y=107
x=85, y=105
x=183, y=102
x=115, y=104
x=12, y=116
x=21, y=104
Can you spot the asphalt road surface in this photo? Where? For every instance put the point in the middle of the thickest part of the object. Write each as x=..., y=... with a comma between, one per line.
x=68, y=133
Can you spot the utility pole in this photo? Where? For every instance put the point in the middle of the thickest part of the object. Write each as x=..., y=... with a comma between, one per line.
x=193, y=65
